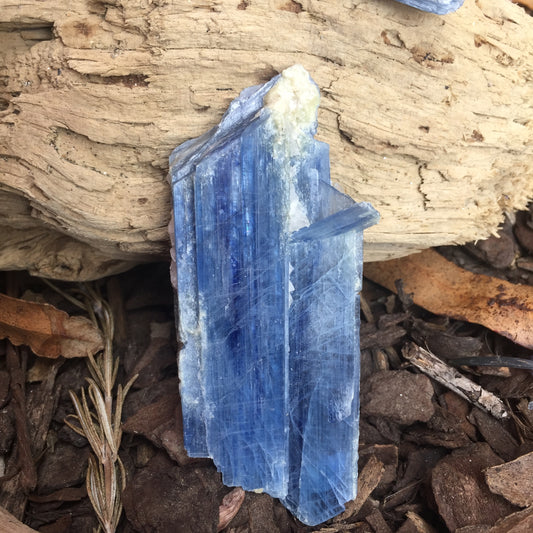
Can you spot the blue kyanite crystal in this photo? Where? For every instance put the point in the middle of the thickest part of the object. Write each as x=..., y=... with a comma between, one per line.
x=269, y=260
x=439, y=7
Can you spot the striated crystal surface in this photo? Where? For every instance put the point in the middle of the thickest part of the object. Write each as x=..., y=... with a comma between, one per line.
x=438, y=7
x=268, y=270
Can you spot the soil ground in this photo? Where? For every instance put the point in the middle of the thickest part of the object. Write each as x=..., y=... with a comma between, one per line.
x=428, y=457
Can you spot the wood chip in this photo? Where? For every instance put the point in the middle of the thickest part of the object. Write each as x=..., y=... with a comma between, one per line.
x=460, y=491
x=388, y=455
x=415, y=524
x=446, y=289
x=513, y=480
x=369, y=479
x=519, y=522
x=443, y=429
x=48, y=331
x=9, y=524
x=460, y=408
x=377, y=522
x=454, y=380
x=161, y=423
x=498, y=438
x=398, y=395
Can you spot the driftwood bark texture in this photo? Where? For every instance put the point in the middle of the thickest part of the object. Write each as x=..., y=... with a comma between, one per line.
x=428, y=117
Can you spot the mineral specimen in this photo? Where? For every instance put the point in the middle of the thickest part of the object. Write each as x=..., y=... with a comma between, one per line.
x=439, y=7
x=269, y=260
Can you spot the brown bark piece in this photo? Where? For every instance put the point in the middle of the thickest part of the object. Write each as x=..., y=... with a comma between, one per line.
x=458, y=407
x=417, y=470
x=415, y=524
x=499, y=251
x=48, y=331
x=427, y=117
x=443, y=344
x=41, y=402
x=377, y=522
x=65, y=467
x=4, y=387
x=461, y=473
x=7, y=429
x=398, y=395
x=446, y=289
x=368, y=480
x=372, y=337
x=513, y=480
x=161, y=423
x=9, y=524
x=259, y=513
x=388, y=455
x=519, y=522
x=163, y=496
x=16, y=363
x=499, y=439
x=524, y=230
x=442, y=429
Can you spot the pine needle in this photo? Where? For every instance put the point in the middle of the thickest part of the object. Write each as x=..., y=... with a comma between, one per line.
x=99, y=421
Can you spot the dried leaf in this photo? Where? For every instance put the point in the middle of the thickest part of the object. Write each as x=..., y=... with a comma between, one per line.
x=48, y=331
x=446, y=289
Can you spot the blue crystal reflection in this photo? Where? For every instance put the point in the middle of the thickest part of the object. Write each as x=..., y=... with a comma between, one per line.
x=438, y=7
x=269, y=260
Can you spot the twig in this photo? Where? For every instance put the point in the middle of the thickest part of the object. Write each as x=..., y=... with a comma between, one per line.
x=16, y=365
x=26, y=463
x=449, y=377
x=498, y=361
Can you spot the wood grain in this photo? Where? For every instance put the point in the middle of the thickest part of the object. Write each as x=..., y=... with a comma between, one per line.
x=428, y=117
x=9, y=523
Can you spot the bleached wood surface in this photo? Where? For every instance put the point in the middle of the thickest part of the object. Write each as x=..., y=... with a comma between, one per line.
x=428, y=117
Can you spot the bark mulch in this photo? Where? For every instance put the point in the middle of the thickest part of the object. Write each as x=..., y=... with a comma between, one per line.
x=432, y=456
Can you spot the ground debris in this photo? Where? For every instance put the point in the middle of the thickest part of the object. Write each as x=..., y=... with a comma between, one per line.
x=398, y=395
x=163, y=494
x=430, y=458
x=446, y=289
x=513, y=480
x=460, y=491
x=519, y=522
x=48, y=331
x=453, y=379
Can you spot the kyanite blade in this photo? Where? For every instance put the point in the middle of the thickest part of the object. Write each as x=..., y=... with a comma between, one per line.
x=438, y=7
x=268, y=259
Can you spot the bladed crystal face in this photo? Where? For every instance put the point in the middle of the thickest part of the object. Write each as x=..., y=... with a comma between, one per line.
x=438, y=7
x=268, y=259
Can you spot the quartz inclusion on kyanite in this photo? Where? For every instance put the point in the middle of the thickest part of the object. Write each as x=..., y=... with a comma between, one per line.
x=268, y=270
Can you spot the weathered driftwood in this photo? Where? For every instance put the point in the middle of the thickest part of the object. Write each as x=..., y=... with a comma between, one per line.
x=428, y=117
